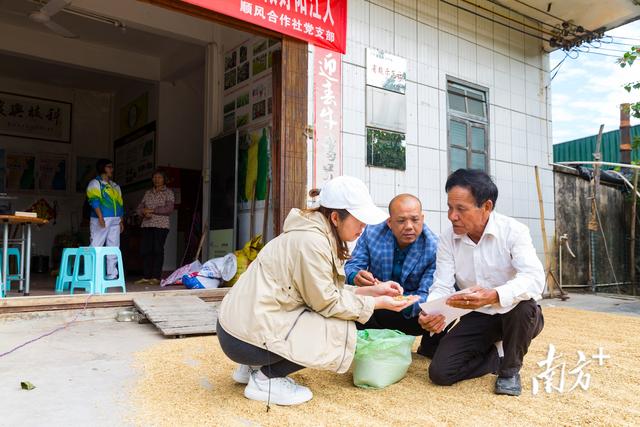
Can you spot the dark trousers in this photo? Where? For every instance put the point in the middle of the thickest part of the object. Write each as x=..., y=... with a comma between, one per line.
x=152, y=251
x=273, y=366
x=468, y=350
x=387, y=319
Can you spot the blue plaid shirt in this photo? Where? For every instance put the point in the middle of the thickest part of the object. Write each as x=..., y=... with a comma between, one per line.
x=376, y=251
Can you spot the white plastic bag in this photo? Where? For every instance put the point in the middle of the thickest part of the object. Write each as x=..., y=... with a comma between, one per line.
x=177, y=275
x=220, y=268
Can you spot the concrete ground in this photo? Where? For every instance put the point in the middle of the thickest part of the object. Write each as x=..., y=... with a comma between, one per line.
x=83, y=374
x=607, y=303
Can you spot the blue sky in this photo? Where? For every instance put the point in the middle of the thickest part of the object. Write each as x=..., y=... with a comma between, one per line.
x=588, y=90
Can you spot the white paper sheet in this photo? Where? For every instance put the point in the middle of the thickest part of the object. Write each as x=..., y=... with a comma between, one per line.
x=440, y=306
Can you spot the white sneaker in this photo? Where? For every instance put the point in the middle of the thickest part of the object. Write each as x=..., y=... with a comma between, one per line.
x=284, y=391
x=242, y=373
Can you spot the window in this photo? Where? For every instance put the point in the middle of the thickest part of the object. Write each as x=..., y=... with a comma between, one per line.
x=468, y=127
x=386, y=149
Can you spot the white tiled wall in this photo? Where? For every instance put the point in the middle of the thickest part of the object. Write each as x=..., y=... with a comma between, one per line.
x=438, y=40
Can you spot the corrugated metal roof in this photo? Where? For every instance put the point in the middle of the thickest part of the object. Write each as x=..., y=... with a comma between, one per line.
x=583, y=148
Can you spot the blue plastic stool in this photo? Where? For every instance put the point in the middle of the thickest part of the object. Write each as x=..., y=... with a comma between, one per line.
x=93, y=279
x=65, y=275
x=11, y=252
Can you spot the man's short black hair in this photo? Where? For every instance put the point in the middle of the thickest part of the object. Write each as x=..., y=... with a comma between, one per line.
x=101, y=164
x=475, y=180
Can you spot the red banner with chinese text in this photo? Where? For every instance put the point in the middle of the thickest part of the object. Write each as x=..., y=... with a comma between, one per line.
x=320, y=22
x=327, y=121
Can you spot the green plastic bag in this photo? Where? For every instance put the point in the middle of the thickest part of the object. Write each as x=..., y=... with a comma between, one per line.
x=382, y=357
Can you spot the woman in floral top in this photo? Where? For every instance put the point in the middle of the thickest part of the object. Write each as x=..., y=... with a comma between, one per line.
x=155, y=208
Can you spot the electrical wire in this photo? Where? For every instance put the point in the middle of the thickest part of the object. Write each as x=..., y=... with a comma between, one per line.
x=507, y=17
x=566, y=55
x=611, y=50
x=601, y=54
x=59, y=328
x=541, y=22
x=544, y=12
x=494, y=21
x=636, y=39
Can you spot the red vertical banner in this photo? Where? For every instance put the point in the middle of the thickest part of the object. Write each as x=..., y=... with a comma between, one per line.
x=327, y=121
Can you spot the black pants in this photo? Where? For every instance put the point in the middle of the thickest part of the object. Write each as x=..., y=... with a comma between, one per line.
x=468, y=350
x=273, y=366
x=152, y=251
x=387, y=319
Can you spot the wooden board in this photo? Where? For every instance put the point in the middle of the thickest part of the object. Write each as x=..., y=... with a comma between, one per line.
x=178, y=315
x=22, y=304
x=13, y=219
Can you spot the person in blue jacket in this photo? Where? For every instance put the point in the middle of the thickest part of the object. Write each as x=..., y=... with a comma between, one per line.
x=107, y=209
x=403, y=250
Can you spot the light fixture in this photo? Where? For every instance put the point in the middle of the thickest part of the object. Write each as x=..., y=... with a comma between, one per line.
x=88, y=14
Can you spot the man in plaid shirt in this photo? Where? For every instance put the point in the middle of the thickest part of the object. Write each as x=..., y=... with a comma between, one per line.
x=403, y=250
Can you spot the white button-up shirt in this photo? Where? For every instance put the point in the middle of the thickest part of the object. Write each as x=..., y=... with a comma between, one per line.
x=504, y=259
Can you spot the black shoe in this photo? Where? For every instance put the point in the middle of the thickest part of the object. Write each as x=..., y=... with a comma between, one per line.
x=509, y=385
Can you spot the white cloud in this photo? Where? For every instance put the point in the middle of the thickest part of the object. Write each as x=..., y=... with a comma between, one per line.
x=588, y=90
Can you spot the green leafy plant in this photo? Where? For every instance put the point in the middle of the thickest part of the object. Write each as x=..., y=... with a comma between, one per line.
x=625, y=60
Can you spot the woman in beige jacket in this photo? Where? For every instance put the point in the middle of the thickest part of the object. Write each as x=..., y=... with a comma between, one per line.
x=291, y=309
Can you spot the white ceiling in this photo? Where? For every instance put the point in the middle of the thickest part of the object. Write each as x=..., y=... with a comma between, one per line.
x=16, y=12
x=591, y=14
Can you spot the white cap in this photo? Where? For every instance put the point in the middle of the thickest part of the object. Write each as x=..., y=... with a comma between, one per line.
x=347, y=192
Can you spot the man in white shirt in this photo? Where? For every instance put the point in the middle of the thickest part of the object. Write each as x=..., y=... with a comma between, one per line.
x=492, y=256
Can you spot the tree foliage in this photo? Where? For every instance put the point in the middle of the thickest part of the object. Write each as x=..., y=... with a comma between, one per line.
x=627, y=60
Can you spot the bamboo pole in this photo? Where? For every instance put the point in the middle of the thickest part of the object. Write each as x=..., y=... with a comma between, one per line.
x=545, y=243
x=204, y=234
x=265, y=220
x=632, y=244
x=543, y=228
x=253, y=212
x=593, y=222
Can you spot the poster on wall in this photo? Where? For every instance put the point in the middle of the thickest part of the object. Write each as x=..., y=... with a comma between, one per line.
x=230, y=79
x=52, y=172
x=135, y=156
x=327, y=95
x=386, y=71
x=243, y=72
x=134, y=115
x=247, y=83
x=35, y=118
x=21, y=172
x=85, y=172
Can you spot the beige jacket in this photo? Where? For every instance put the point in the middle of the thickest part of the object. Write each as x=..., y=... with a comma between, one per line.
x=292, y=299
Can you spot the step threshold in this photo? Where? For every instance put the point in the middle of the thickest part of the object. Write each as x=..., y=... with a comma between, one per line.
x=79, y=301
